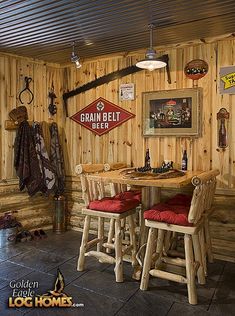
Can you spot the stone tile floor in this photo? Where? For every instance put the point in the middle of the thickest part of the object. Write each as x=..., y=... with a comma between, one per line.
x=96, y=287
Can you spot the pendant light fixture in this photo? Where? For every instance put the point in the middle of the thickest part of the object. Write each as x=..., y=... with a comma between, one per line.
x=151, y=61
x=74, y=58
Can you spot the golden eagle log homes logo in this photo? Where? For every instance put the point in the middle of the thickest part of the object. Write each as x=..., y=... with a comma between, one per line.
x=23, y=295
x=101, y=116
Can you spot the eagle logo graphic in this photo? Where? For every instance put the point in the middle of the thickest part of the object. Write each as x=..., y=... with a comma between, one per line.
x=58, y=287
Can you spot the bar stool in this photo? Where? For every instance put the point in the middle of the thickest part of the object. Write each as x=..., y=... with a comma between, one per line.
x=117, y=189
x=101, y=207
x=188, y=221
x=204, y=234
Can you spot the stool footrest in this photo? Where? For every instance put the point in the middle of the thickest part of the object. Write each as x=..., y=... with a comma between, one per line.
x=92, y=243
x=108, y=245
x=175, y=261
x=167, y=275
x=102, y=257
x=125, y=249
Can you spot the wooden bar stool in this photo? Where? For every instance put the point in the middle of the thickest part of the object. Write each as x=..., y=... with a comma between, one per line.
x=161, y=219
x=204, y=234
x=110, y=208
x=122, y=189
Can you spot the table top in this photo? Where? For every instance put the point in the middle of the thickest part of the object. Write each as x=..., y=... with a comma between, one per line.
x=115, y=177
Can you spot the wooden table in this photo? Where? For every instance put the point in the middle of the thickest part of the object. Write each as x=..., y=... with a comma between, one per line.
x=151, y=189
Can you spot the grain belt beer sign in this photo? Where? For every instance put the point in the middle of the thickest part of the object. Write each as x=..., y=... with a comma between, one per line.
x=101, y=116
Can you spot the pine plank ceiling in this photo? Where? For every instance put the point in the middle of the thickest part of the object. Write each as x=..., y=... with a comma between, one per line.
x=45, y=29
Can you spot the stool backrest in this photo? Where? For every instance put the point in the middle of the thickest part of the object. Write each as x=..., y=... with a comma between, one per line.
x=95, y=189
x=91, y=190
x=116, y=188
x=203, y=194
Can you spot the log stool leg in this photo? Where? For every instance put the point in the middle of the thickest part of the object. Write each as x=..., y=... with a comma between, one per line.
x=118, y=252
x=81, y=258
x=167, y=241
x=100, y=233
x=110, y=234
x=208, y=241
x=159, y=249
x=198, y=258
x=148, y=259
x=134, y=262
x=203, y=250
x=190, y=269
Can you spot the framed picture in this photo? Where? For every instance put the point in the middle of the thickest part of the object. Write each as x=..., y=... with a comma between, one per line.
x=172, y=112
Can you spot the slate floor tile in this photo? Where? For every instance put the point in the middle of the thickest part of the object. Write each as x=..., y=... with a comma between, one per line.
x=45, y=281
x=69, y=272
x=10, y=271
x=5, y=311
x=5, y=293
x=12, y=251
x=227, y=309
x=144, y=303
x=178, y=292
x=215, y=270
x=3, y=283
x=39, y=260
x=187, y=310
x=225, y=293
x=91, y=263
x=66, y=250
x=104, y=283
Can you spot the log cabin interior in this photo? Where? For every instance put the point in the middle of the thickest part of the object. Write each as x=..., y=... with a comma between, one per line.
x=42, y=45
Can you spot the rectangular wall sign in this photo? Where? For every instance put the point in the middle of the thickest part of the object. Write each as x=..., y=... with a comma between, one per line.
x=227, y=80
x=127, y=91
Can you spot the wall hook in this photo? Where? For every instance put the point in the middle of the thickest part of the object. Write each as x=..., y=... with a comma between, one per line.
x=27, y=81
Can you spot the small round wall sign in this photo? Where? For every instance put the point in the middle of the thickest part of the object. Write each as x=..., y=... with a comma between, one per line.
x=196, y=69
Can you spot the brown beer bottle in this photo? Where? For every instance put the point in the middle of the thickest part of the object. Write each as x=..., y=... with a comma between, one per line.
x=147, y=164
x=184, y=165
x=222, y=134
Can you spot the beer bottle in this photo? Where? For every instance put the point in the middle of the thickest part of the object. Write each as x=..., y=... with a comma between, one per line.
x=222, y=134
x=147, y=164
x=184, y=161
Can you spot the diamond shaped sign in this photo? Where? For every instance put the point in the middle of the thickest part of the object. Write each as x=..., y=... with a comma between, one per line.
x=101, y=116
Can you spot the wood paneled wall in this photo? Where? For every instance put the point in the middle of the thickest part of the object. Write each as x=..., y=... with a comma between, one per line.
x=124, y=143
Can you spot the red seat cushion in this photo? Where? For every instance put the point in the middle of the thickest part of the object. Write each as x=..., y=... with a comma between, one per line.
x=171, y=214
x=113, y=205
x=180, y=199
x=131, y=194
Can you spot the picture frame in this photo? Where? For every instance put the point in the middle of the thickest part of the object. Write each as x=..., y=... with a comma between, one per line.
x=174, y=112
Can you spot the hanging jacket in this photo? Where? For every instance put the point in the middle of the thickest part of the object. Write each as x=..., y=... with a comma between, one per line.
x=57, y=160
x=26, y=161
